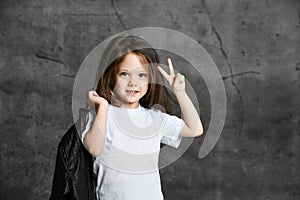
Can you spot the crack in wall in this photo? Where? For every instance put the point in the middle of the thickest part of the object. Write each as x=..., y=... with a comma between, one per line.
x=240, y=74
x=117, y=13
x=231, y=76
x=42, y=55
x=68, y=75
x=84, y=14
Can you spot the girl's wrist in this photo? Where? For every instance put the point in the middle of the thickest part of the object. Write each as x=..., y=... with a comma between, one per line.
x=102, y=103
x=102, y=107
x=179, y=92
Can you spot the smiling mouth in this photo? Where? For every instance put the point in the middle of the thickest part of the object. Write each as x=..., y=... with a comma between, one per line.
x=132, y=92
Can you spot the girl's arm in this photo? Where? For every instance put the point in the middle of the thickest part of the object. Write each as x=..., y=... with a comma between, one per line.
x=193, y=126
x=94, y=139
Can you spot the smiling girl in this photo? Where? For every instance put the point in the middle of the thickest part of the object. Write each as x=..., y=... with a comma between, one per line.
x=123, y=132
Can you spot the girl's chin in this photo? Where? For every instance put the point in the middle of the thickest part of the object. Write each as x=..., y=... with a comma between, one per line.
x=129, y=105
x=133, y=101
x=129, y=101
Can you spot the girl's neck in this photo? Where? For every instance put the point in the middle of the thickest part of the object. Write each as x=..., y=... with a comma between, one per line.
x=126, y=106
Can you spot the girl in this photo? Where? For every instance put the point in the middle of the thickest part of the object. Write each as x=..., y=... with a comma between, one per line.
x=124, y=132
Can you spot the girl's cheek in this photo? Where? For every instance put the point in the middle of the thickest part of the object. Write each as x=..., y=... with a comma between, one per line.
x=144, y=82
x=122, y=81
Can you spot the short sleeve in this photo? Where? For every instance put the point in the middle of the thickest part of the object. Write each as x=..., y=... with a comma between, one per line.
x=89, y=119
x=171, y=130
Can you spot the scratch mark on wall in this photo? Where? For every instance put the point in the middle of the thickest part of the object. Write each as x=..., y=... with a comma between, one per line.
x=214, y=30
x=240, y=74
x=43, y=55
x=117, y=13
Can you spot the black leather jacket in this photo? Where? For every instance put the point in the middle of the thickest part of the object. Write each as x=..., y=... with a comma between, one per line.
x=73, y=176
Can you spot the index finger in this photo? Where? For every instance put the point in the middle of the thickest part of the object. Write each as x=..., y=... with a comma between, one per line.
x=171, y=69
x=163, y=72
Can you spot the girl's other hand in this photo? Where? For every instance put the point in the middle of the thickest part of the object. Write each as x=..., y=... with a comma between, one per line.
x=93, y=98
x=177, y=82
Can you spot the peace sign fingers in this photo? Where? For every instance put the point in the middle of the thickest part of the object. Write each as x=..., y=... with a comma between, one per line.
x=167, y=76
x=175, y=81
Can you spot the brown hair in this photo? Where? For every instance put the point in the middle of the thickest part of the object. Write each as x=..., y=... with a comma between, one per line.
x=110, y=62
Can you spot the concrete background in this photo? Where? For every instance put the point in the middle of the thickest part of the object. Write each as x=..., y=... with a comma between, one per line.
x=255, y=44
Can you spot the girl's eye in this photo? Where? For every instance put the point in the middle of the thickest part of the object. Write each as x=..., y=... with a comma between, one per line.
x=142, y=75
x=125, y=74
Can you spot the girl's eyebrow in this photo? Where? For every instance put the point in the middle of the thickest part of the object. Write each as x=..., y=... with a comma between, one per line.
x=127, y=70
x=144, y=71
x=123, y=69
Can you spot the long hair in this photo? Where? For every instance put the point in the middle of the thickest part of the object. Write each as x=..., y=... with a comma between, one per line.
x=113, y=56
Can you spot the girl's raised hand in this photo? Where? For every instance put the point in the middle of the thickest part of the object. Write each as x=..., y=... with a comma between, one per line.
x=93, y=98
x=177, y=81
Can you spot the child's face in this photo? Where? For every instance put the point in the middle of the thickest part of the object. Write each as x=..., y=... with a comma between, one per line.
x=131, y=82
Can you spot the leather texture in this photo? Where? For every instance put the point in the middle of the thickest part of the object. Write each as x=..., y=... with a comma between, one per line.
x=73, y=175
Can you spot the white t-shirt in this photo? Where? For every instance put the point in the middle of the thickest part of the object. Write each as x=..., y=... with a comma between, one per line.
x=127, y=167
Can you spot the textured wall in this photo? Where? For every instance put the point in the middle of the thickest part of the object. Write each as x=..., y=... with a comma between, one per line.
x=255, y=44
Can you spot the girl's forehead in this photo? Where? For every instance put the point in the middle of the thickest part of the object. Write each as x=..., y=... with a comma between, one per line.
x=133, y=68
x=133, y=62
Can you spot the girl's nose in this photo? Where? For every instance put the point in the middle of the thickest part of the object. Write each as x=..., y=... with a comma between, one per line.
x=132, y=81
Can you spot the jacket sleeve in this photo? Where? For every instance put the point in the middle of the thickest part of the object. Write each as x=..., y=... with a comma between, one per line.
x=59, y=185
x=73, y=174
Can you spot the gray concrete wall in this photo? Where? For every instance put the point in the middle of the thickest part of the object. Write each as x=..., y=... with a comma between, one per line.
x=255, y=44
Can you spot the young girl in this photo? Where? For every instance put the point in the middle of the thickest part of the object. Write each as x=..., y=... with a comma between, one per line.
x=123, y=131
